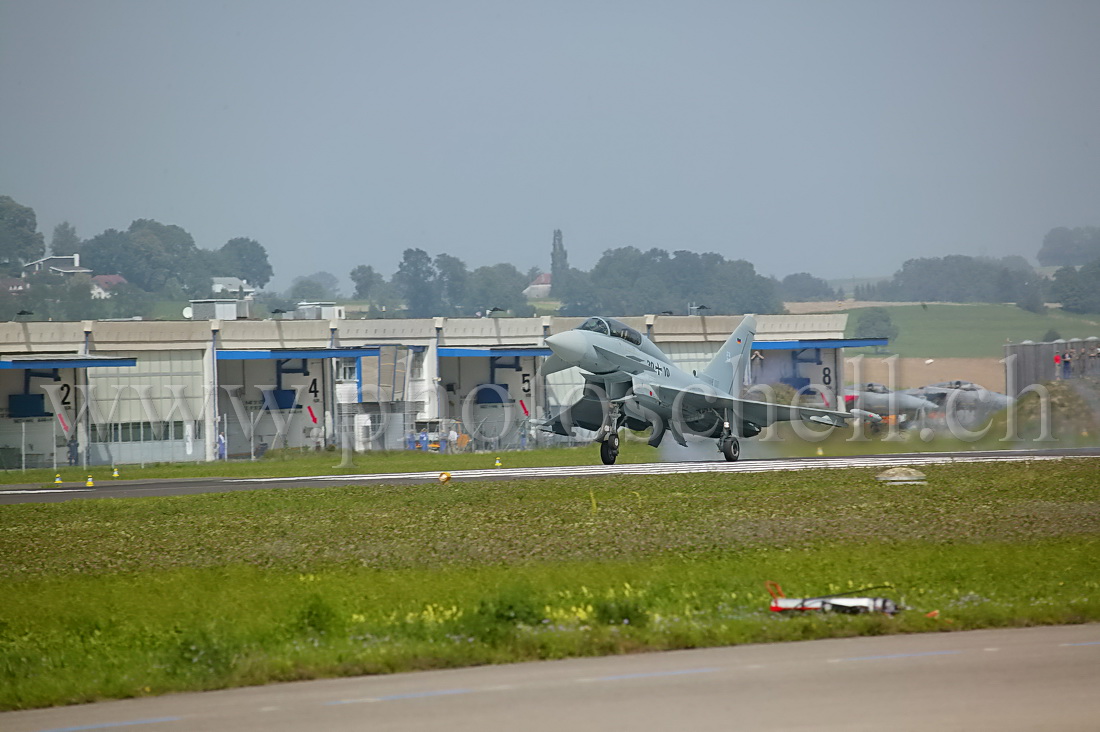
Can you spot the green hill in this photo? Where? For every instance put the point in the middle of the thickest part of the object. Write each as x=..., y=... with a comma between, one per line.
x=974, y=331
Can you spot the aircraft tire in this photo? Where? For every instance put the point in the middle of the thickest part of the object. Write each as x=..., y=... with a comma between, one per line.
x=731, y=448
x=609, y=449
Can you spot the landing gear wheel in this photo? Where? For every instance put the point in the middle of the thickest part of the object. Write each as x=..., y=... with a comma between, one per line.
x=609, y=449
x=731, y=448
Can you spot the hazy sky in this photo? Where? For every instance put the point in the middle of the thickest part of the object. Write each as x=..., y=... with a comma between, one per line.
x=839, y=138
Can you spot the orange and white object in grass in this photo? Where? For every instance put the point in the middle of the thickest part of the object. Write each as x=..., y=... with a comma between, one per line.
x=829, y=603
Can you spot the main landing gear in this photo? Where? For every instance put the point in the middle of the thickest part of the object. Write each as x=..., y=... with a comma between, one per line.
x=730, y=448
x=609, y=449
x=728, y=444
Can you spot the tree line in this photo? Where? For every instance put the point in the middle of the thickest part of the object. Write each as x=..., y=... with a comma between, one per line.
x=624, y=281
x=960, y=278
x=158, y=261
x=162, y=262
x=1064, y=247
x=163, y=258
x=629, y=281
x=1076, y=283
x=425, y=286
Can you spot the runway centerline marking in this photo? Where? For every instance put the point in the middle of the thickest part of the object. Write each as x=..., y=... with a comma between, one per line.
x=650, y=675
x=895, y=655
x=109, y=725
x=398, y=697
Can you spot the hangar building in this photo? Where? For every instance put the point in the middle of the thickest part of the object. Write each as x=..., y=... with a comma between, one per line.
x=158, y=391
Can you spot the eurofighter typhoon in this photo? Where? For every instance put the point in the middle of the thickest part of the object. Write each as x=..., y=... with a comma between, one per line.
x=629, y=382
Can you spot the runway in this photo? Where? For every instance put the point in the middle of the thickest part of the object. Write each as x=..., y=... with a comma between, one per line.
x=184, y=486
x=1021, y=679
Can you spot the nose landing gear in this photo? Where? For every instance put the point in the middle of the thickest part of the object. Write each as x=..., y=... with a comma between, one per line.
x=608, y=435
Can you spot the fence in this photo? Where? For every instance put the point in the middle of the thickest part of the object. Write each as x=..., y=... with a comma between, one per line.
x=1030, y=363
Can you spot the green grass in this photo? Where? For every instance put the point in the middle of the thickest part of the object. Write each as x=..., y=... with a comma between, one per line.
x=168, y=309
x=117, y=598
x=974, y=331
x=285, y=463
x=1073, y=425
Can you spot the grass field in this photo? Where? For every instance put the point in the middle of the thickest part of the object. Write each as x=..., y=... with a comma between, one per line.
x=974, y=331
x=1073, y=424
x=306, y=462
x=117, y=598
x=168, y=309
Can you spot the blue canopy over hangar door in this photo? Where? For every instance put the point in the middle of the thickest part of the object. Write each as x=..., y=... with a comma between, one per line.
x=42, y=406
x=278, y=398
x=815, y=366
x=492, y=392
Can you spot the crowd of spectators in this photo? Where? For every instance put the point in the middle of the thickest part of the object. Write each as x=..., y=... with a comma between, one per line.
x=1074, y=362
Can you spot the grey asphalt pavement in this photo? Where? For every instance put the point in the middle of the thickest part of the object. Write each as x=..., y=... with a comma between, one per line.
x=1004, y=680
x=182, y=486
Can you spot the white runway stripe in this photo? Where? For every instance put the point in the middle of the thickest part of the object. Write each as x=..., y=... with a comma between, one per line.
x=748, y=466
x=44, y=491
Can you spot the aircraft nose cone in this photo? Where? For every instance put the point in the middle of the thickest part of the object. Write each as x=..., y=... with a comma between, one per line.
x=569, y=346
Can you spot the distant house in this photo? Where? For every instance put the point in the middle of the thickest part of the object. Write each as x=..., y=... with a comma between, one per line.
x=63, y=264
x=103, y=284
x=231, y=286
x=14, y=285
x=539, y=289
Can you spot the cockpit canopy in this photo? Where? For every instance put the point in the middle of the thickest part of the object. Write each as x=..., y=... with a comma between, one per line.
x=876, y=388
x=964, y=385
x=612, y=327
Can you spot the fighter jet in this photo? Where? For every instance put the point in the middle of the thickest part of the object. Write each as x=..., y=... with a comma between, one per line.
x=963, y=395
x=881, y=400
x=630, y=382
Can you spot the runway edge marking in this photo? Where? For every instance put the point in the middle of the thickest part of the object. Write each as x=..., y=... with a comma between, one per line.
x=749, y=466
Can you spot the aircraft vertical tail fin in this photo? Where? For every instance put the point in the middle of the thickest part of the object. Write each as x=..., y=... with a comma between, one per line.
x=726, y=371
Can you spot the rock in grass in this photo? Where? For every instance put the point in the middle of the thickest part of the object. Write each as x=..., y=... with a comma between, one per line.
x=902, y=476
